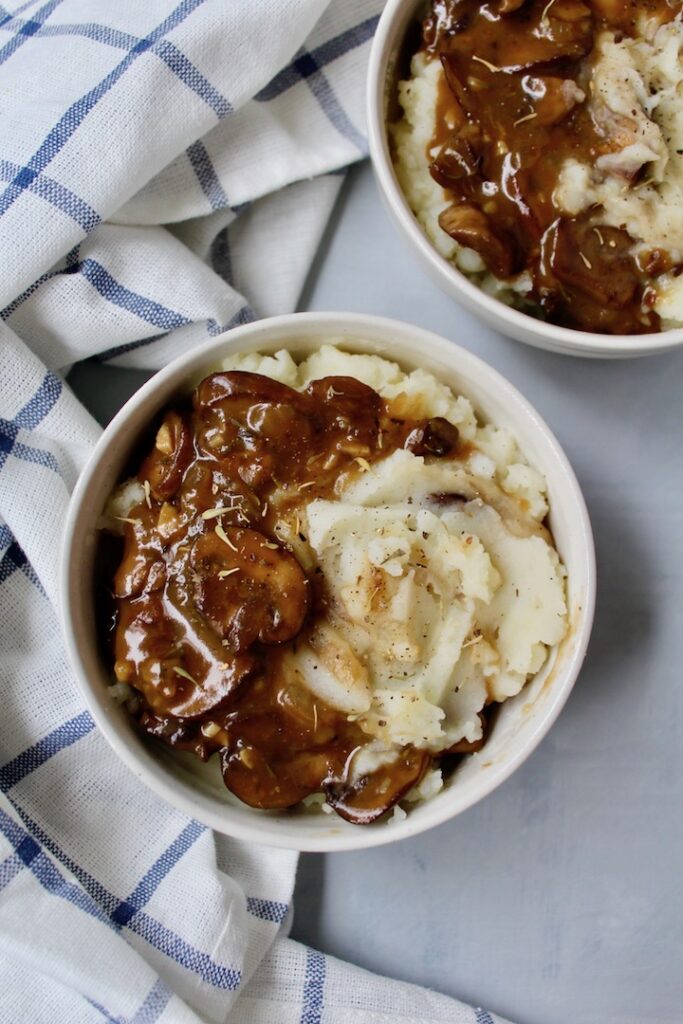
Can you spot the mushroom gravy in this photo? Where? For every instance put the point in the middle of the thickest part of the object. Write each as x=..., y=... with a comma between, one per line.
x=516, y=104
x=209, y=598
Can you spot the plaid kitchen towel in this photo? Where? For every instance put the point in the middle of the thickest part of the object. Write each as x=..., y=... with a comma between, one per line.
x=165, y=173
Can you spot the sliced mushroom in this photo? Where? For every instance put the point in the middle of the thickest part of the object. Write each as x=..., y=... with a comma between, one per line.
x=248, y=587
x=552, y=99
x=173, y=451
x=142, y=568
x=249, y=387
x=211, y=485
x=436, y=437
x=262, y=770
x=281, y=426
x=470, y=226
x=370, y=796
x=248, y=774
x=202, y=692
x=461, y=96
x=458, y=157
x=606, y=301
x=143, y=638
x=174, y=658
x=564, y=31
x=243, y=410
x=183, y=734
x=573, y=249
x=349, y=407
x=557, y=31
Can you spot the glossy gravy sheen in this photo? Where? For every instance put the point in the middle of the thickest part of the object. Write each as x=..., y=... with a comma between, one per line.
x=511, y=110
x=209, y=598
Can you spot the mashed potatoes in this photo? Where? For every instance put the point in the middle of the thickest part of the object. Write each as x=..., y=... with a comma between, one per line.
x=444, y=589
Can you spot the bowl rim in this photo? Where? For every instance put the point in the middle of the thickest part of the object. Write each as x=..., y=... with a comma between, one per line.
x=513, y=322
x=265, y=830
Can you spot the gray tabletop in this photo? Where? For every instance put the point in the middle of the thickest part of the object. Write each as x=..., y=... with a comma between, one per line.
x=559, y=898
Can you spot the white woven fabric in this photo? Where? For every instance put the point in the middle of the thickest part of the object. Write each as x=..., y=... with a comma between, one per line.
x=154, y=190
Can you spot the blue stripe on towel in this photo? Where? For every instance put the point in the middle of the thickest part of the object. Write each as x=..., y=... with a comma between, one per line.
x=94, y=899
x=152, y=879
x=206, y=175
x=155, y=1003
x=41, y=402
x=14, y=558
x=482, y=1016
x=319, y=57
x=314, y=987
x=36, y=755
x=25, y=30
x=146, y=309
x=70, y=121
x=267, y=910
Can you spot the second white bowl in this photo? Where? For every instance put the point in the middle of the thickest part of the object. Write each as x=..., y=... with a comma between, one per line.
x=387, y=51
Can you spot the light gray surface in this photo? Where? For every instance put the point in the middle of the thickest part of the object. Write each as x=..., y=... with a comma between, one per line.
x=559, y=898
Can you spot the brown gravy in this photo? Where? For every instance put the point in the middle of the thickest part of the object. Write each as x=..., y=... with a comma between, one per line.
x=209, y=599
x=511, y=110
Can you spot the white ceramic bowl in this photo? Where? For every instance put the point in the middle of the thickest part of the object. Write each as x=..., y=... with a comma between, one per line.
x=387, y=59
x=522, y=722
